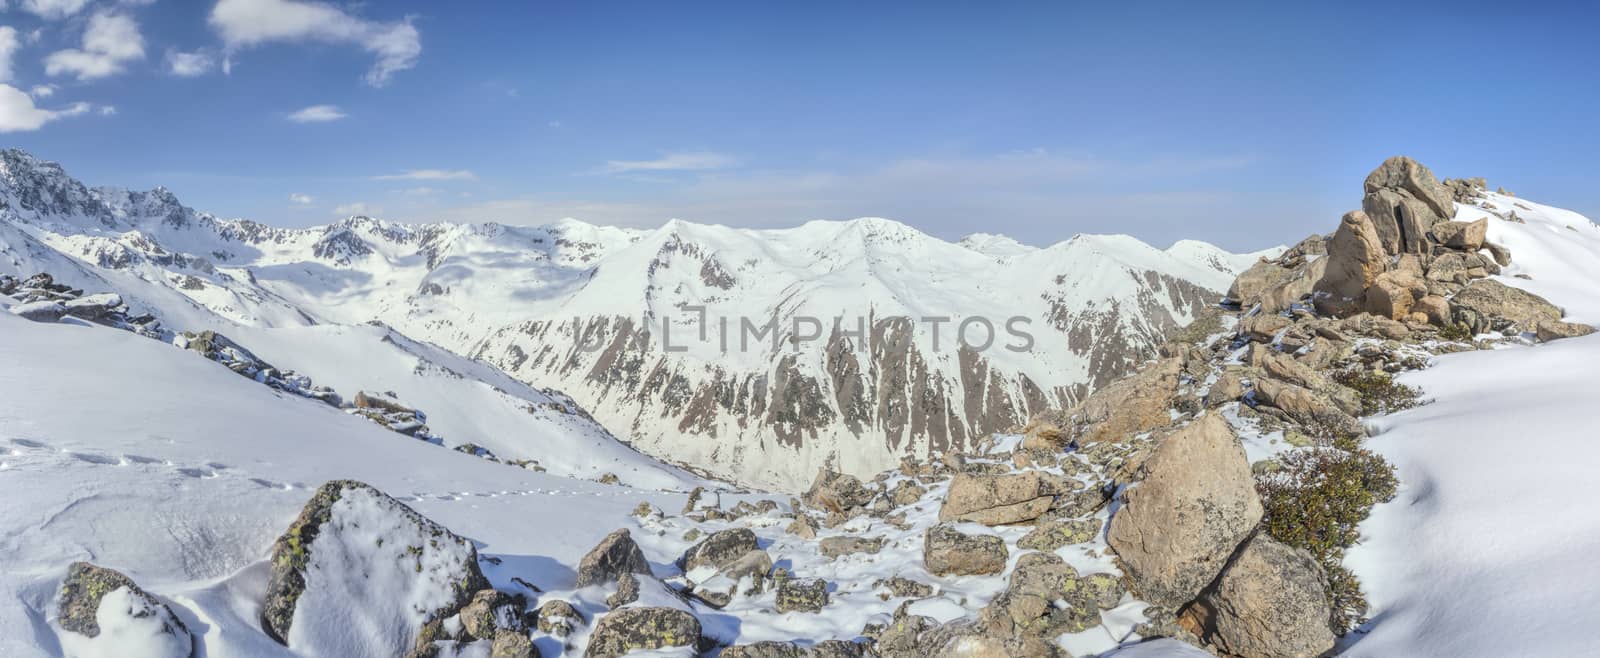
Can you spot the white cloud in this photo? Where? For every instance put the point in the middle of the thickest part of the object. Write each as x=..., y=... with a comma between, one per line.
x=189, y=65
x=430, y=174
x=9, y=45
x=42, y=91
x=110, y=41
x=302, y=199
x=18, y=113
x=317, y=114
x=108, y=110
x=699, y=161
x=53, y=9
x=246, y=23
x=357, y=208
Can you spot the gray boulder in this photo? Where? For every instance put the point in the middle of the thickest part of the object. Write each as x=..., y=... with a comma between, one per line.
x=642, y=629
x=614, y=556
x=91, y=594
x=721, y=548
x=837, y=492
x=1002, y=499
x=1488, y=305
x=40, y=311
x=950, y=552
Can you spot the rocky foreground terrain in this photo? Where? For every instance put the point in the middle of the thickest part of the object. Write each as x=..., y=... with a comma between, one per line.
x=1203, y=505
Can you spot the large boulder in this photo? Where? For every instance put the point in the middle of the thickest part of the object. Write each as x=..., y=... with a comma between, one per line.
x=721, y=548
x=1195, y=504
x=627, y=630
x=357, y=558
x=94, y=307
x=1404, y=201
x=43, y=311
x=1269, y=603
x=1355, y=259
x=614, y=556
x=1488, y=305
x=101, y=612
x=1394, y=294
x=1002, y=499
x=950, y=552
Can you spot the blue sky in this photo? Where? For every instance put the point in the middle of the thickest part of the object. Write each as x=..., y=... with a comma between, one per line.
x=1244, y=124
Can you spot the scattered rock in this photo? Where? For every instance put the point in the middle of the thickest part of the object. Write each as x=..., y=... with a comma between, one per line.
x=1002, y=499
x=1488, y=305
x=1465, y=236
x=92, y=594
x=642, y=629
x=900, y=586
x=627, y=591
x=1195, y=504
x=615, y=555
x=949, y=552
x=800, y=595
x=1548, y=330
x=837, y=492
x=1051, y=535
x=802, y=527
x=721, y=548
x=559, y=618
x=837, y=547
x=1028, y=608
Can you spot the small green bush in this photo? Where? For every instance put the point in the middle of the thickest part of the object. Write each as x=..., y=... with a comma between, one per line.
x=1456, y=332
x=1315, y=500
x=1380, y=394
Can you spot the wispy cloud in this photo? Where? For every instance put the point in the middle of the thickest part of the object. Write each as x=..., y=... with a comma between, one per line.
x=189, y=65
x=246, y=23
x=53, y=9
x=430, y=174
x=317, y=114
x=10, y=43
x=110, y=41
x=357, y=208
x=695, y=161
x=301, y=199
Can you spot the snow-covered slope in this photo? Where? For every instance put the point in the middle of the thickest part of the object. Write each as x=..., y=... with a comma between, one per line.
x=743, y=404
x=1489, y=548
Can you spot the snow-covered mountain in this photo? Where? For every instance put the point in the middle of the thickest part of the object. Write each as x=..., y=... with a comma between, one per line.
x=664, y=334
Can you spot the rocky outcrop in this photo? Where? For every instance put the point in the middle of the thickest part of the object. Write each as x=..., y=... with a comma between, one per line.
x=796, y=595
x=1002, y=499
x=1269, y=603
x=1137, y=403
x=1193, y=506
x=642, y=629
x=950, y=552
x=837, y=492
x=1404, y=201
x=92, y=595
x=357, y=553
x=615, y=556
x=1489, y=305
x=1356, y=257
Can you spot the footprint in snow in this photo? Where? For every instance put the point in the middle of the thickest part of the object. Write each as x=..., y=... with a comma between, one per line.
x=140, y=459
x=103, y=460
x=269, y=484
x=199, y=473
x=28, y=443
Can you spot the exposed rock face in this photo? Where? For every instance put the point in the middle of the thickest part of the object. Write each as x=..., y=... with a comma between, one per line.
x=1269, y=603
x=1488, y=305
x=795, y=595
x=1194, y=505
x=614, y=556
x=40, y=311
x=642, y=629
x=1394, y=294
x=1002, y=499
x=1404, y=201
x=1355, y=259
x=949, y=552
x=1051, y=535
x=91, y=593
x=418, y=573
x=1028, y=605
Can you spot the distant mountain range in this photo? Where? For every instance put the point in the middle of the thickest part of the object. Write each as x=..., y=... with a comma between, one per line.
x=859, y=367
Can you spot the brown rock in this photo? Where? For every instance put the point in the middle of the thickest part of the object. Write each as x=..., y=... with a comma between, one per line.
x=1355, y=259
x=1002, y=499
x=1466, y=236
x=949, y=552
x=1196, y=503
x=1269, y=603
